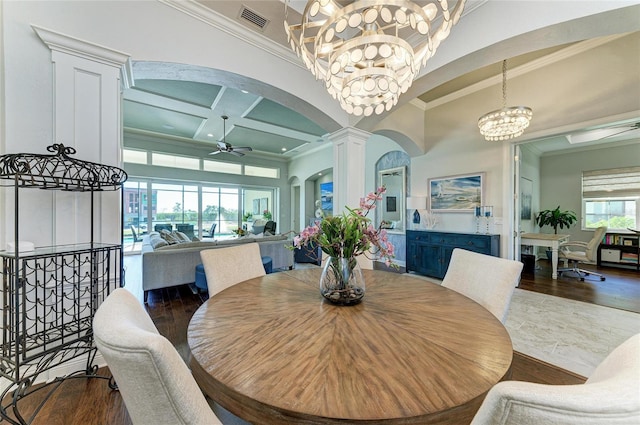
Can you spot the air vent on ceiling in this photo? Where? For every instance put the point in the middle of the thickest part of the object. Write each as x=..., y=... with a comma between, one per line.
x=253, y=18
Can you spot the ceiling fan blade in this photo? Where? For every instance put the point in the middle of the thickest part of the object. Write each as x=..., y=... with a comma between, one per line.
x=618, y=133
x=214, y=152
x=627, y=128
x=242, y=148
x=236, y=153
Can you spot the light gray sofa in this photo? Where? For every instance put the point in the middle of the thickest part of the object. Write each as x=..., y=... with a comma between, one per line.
x=173, y=265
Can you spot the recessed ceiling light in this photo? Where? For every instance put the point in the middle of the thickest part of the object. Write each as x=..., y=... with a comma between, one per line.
x=244, y=91
x=284, y=149
x=319, y=174
x=209, y=134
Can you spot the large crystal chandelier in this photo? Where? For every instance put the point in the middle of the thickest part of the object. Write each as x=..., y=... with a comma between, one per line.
x=368, y=52
x=505, y=123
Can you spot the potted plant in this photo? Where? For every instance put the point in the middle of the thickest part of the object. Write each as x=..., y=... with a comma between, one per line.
x=555, y=218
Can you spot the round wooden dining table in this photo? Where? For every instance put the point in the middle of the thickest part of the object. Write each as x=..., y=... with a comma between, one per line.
x=271, y=351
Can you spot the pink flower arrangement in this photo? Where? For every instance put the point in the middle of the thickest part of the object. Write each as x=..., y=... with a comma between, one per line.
x=351, y=234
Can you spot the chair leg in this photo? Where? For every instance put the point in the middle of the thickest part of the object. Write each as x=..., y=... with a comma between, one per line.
x=580, y=272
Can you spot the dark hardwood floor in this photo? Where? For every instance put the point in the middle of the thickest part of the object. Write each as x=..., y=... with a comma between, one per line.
x=90, y=401
x=620, y=289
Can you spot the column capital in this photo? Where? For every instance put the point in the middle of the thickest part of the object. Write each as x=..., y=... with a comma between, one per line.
x=59, y=42
x=349, y=133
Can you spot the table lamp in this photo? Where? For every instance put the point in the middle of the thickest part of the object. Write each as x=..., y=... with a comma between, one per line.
x=416, y=203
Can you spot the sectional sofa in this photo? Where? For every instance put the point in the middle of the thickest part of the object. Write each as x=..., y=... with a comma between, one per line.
x=170, y=265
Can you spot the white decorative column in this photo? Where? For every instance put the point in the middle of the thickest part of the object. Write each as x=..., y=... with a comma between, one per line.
x=349, y=173
x=348, y=168
x=87, y=117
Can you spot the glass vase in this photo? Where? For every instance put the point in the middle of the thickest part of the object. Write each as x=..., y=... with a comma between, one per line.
x=342, y=282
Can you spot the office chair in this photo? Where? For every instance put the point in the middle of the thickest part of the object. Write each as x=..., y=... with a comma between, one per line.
x=587, y=252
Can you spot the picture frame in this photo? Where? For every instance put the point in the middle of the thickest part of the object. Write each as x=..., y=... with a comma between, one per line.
x=391, y=204
x=460, y=193
x=326, y=198
x=256, y=207
x=526, y=196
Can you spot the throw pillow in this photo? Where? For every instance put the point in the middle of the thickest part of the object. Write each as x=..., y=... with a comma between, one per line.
x=157, y=242
x=180, y=236
x=167, y=236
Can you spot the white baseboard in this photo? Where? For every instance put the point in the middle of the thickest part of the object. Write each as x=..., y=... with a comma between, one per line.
x=67, y=368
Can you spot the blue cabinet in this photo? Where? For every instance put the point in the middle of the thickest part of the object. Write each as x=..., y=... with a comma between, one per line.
x=429, y=253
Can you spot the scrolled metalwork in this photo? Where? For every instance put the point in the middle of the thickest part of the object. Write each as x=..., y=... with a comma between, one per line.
x=60, y=171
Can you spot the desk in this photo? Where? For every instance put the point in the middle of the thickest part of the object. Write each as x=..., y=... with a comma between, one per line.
x=549, y=240
x=272, y=352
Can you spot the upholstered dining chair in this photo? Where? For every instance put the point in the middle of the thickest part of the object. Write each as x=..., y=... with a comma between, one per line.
x=611, y=396
x=155, y=383
x=490, y=281
x=224, y=267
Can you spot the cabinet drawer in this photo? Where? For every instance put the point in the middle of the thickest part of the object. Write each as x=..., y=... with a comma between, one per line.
x=418, y=236
x=444, y=239
x=612, y=255
x=474, y=243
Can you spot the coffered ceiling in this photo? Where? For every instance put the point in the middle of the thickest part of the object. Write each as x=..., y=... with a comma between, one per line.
x=159, y=105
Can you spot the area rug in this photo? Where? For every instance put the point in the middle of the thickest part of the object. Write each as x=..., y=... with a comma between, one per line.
x=573, y=335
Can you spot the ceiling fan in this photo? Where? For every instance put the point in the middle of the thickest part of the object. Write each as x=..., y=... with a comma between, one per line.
x=225, y=147
x=622, y=129
x=599, y=134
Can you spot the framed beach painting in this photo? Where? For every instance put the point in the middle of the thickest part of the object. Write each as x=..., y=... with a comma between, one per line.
x=326, y=197
x=456, y=193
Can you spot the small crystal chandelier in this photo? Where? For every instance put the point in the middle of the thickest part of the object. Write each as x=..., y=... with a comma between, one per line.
x=505, y=123
x=369, y=51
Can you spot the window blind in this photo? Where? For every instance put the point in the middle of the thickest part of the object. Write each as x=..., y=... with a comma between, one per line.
x=616, y=182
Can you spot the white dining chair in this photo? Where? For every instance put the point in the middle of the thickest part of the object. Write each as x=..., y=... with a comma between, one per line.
x=155, y=383
x=611, y=396
x=488, y=280
x=224, y=267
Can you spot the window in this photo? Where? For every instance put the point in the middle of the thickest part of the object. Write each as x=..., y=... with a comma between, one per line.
x=195, y=207
x=134, y=156
x=251, y=170
x=611, y=198
x=165, y=160
x=221, y=167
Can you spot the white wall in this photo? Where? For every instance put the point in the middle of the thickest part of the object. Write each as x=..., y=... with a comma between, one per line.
x=452, y=158
x=561, y=178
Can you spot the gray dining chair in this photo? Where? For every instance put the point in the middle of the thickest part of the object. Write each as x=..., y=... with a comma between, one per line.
x=488, y=280
x=611, y=396
x=155, y=383
x=224, y=267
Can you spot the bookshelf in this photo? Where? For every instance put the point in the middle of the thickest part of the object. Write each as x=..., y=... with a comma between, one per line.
x=620, y=250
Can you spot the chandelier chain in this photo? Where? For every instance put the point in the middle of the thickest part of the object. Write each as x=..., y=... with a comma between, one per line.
x=508, y=122
x=504, y=83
